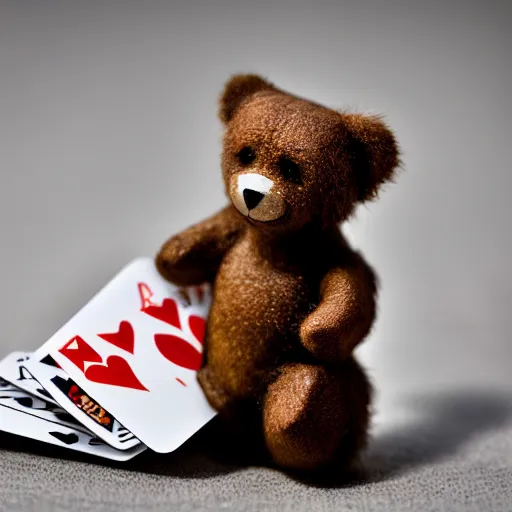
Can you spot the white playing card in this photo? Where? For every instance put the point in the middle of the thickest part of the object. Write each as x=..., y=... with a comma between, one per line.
x=65, y=392
x=135, y=348
x=13, y=371
x=19, y=400
x=27, y=416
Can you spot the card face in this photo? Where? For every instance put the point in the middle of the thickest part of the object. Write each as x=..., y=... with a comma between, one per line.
x=135, y=348
x=76, y=402
x=28, y=416
x=13, y=371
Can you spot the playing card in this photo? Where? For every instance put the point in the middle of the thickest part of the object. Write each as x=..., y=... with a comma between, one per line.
x=13, y=371
x=66, y=393
x=28, y=416
x=135, y=349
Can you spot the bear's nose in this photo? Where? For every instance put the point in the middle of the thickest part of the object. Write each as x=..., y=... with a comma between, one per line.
x=252, y=198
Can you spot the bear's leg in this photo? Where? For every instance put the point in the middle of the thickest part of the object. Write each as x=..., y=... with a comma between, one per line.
x=314, y=416
x=239, y=436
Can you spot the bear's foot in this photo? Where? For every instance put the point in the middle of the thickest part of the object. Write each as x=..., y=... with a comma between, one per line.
x=315, y=416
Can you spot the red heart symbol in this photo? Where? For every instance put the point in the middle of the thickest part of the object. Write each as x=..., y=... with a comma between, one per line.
x=178, y=351
x=124, y=338
x=197, y=326
x=117, y=372
x=167, y=312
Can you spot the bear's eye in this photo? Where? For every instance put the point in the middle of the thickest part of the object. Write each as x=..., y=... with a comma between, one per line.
x=246, y=155
x=290, y=170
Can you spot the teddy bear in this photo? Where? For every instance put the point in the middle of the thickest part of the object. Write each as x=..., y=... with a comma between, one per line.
x=291, y=298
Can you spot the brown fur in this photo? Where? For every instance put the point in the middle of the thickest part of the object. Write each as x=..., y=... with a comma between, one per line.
x=291, y=298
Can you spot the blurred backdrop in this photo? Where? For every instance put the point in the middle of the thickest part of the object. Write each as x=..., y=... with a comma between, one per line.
x=109, y=143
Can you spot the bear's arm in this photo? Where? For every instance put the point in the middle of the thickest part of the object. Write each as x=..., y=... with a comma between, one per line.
x=344, y=315
x=194, y=255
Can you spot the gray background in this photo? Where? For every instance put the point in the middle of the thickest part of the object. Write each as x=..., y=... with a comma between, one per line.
x=109, y=143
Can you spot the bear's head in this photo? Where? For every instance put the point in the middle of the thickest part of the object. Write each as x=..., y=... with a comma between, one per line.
x=288, y=162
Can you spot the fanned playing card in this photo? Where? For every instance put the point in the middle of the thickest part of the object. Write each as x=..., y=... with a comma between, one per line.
x=12, y=370
x=64, y=391
x=27, y=416
x=78, y=404
x=135, y=349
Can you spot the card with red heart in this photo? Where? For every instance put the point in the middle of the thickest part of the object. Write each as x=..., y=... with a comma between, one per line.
x=66, y=393
x=84, y=409
x=135, y=349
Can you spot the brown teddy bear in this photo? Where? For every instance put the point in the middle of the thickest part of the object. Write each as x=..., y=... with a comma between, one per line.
x=291, y=298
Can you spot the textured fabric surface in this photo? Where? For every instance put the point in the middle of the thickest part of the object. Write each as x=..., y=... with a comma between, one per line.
x=437, y=452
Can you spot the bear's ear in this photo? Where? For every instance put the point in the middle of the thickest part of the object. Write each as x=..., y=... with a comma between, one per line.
x=237, y=89
x=373, y=153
